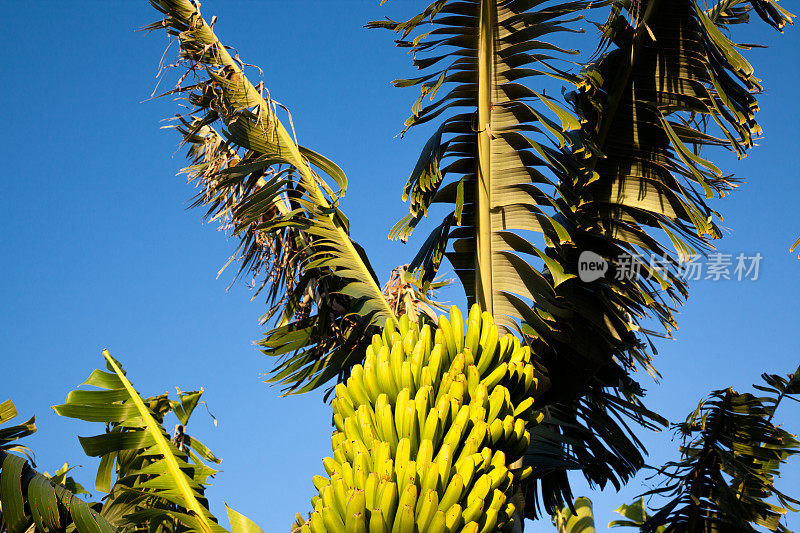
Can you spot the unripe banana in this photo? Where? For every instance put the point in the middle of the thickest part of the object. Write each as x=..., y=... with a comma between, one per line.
x=432, y=430
x=356, y=523
x=453, y=518
x=396, y=358
x=338, y=421
x=473, y=380
x=496, y=431
x=333, y=523
x=469, y=356
x=387, y=425
x=489, y=521
x=423, y=402
x=457, y=324
x=409, y=429
x=353, y=432
x=479, y=491
x=406, y=376
x=404, y=523
x=356, y=387
x=437, y=524
x=435, y=364
x=498, y=500
x=523, y=409
x=371, y=490
x=427, y=506
x=408, y=477
x=402, y=325
x=316, y=523
x=386, y=470
x=444, y=461
x=377, y=343
x=387, y=502
x=388, y=331
x=429, y=478
x=371, y=377
x=385, y=377
x=361, y=470
x=320, y=481
x=438, y=338
x=424, y=455
x=340, y=497
x=453, y=493
x=449, y=340
x=430, y=416
x=343, y=406
x=489, y=348
x=328, y=498
x=402, y=457
x=409, y=497
x=466, y=468
x=472, y=511
x=508, y=427
x=495, y=376
x=356, y=503
x=400, y=411
x=471, y=527
x=331, y=466
x=454, y=434
x=316, y=502
x=498, y=476
x=377, y=523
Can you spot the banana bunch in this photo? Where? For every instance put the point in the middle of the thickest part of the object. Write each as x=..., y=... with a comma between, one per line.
x=426, y=430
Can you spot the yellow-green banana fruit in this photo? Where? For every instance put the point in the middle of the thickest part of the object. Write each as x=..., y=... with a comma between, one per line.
x=426, y=430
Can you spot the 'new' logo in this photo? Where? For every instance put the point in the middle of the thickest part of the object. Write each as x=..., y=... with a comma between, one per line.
x=591, y=266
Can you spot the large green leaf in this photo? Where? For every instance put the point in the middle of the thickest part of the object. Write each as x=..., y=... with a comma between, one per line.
x=281, y=200
x=31, y=500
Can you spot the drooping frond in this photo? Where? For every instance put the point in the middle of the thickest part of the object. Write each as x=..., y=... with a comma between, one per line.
x=731, y=454
x=281, y=201
x=591, y=435
x=31, y=501
x=646, y=108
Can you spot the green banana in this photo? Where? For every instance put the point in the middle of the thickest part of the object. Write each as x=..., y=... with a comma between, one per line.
x=377, y=524
x=427, y=507
x=333, y=523
x=426, y=428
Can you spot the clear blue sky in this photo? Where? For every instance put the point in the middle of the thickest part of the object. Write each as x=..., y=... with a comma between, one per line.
x=99, y=250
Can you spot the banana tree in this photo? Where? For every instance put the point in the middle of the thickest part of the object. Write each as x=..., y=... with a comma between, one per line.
x=442, y=425
x=529, y=181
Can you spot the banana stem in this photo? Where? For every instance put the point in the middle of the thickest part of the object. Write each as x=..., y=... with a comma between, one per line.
x=486, y=74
